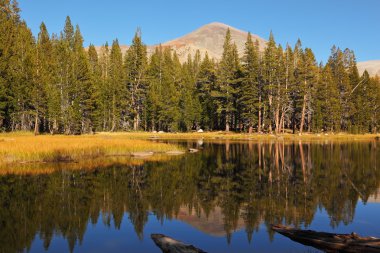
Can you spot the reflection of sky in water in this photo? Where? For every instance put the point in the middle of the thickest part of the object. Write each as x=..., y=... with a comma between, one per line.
x=100, y=238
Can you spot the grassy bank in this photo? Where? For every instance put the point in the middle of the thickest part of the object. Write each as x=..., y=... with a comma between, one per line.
x=26, y=148
x=244, y=136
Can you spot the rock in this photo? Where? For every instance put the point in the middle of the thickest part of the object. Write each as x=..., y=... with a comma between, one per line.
x=154, y=132
x=141, y=154
x=161, y=132
x=200, y=131
x=193, y=150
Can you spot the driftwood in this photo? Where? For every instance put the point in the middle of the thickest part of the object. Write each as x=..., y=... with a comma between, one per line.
x=170, y=245
x=330, y=242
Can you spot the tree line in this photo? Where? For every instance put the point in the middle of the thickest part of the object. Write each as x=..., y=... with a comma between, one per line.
x=52, y=84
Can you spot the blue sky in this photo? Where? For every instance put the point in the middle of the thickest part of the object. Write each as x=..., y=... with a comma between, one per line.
x=319, y=24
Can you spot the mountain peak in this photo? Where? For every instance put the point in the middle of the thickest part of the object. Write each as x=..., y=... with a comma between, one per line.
x=210, y=38
x=217, y=24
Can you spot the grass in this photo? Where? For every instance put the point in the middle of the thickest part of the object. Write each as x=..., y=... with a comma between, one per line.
x=24, y=153
x=26, y=148
x=251, y=137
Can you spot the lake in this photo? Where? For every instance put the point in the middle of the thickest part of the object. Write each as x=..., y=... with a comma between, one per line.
x=221, y=199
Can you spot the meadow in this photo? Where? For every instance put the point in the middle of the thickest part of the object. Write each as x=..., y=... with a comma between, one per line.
x=24, y=147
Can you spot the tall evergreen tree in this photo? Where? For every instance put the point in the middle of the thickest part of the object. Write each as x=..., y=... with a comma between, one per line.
x=206, y=81
x=117, y=91
x=249, y=90
x=136, y=67
x=226, y=88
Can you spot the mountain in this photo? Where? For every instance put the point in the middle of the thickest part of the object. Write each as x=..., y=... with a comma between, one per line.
x=373, y=67
x=208, y=38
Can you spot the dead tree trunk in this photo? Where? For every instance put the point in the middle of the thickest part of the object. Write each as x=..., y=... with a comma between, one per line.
x=303, y=114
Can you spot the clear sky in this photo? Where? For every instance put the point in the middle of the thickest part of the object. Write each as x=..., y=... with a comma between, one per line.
x=318, y=23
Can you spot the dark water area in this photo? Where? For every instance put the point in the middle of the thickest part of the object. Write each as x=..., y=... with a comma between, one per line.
x=220, y=199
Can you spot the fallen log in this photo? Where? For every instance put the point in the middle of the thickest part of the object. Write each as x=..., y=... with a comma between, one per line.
x=330, y=242
x=170, y=245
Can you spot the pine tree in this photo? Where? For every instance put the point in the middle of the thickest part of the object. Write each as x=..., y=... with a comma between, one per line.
x=81, y=91
x=23, y=80
x=227, y=81
x=43, y=74
x=136, y=66
x=117, y=90
x=95, y=93
x=206, y=81
x=189, y=102
x=9, y=20
x=340, y=75
x=249, y=90
x=308, y=79
x=154, y=92
x=270, y=69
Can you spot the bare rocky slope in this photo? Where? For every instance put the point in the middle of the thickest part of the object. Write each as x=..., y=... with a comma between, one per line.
x=373, y=67
x=208, y=38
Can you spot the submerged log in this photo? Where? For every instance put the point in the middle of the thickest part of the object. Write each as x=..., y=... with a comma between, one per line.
x=330, y=242
x=170, y=245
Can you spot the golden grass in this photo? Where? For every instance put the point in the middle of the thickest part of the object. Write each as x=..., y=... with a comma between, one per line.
x=24, y=153
x=24, y=147
x=244, y=136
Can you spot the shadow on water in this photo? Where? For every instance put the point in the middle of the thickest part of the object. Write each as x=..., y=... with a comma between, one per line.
x=225, y=186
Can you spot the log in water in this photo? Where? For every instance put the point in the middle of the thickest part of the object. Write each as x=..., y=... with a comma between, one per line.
x=170, y=245
x=330, y=242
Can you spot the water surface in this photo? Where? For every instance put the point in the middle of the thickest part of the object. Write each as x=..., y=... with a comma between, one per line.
x=221, y=199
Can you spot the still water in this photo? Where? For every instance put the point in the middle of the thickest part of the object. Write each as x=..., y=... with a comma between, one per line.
x=221, y=199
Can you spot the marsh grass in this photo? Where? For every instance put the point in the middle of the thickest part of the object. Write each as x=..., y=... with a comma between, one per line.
x=26, y=148
x=344, y=137
x=24, y=153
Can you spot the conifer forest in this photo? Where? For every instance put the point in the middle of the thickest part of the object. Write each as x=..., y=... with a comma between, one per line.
x=51, y=83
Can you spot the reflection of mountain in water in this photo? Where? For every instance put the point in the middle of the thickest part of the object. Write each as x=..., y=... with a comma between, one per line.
x=374, y=198
x=233, y=185
x=212, y=224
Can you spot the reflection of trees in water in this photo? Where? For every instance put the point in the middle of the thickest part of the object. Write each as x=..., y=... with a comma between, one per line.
x=270, y=183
